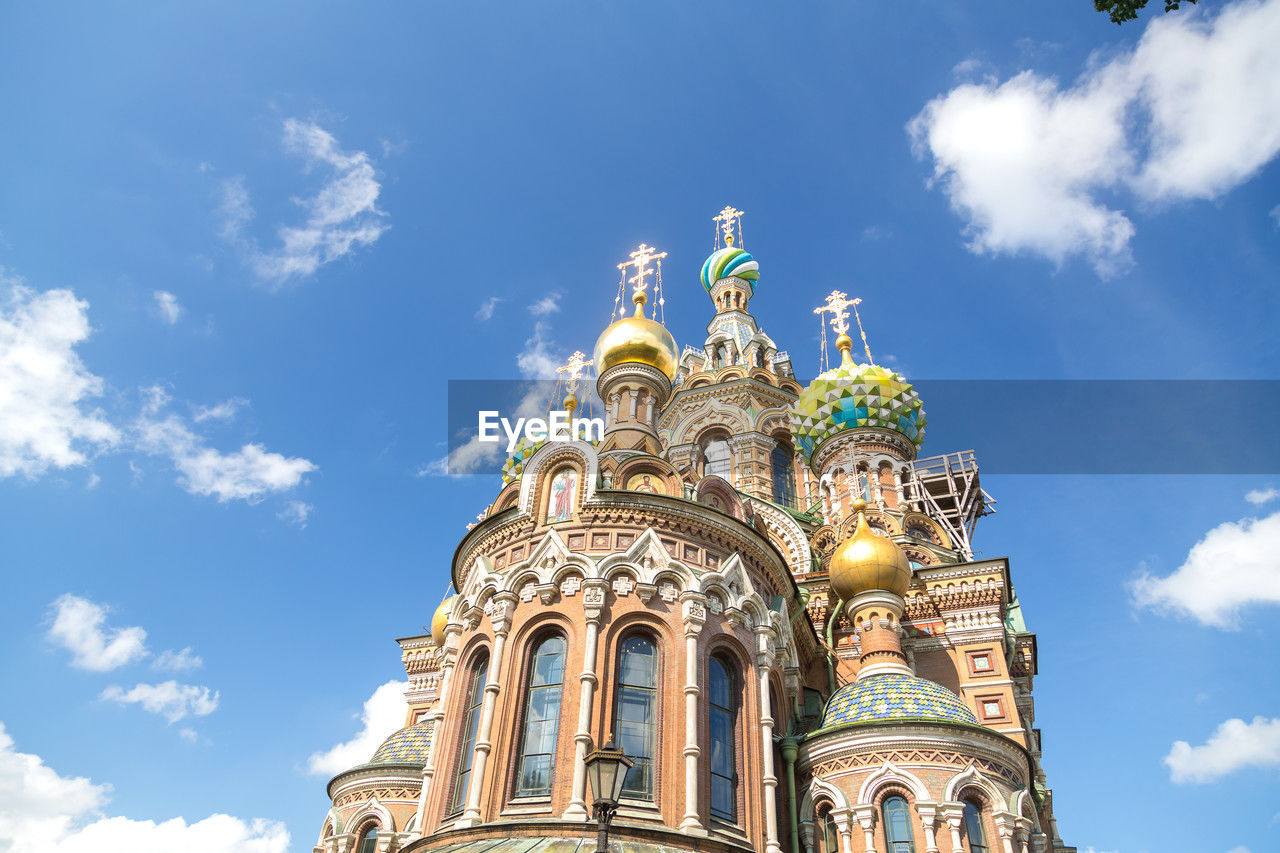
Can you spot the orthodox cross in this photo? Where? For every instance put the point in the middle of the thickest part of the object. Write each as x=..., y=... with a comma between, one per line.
x=729, y=218
x=640, y=259
x=838, y=305
x=573, y=371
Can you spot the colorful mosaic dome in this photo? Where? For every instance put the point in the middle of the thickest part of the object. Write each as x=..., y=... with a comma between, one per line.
x=731, y=260
x=407, y=746
x=512, y=468
x=895, y=697
x=856, y=395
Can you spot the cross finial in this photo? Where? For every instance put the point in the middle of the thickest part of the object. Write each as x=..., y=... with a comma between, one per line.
x=837, y=305
x=573, y=371
x=640, y=259
x=729, y=219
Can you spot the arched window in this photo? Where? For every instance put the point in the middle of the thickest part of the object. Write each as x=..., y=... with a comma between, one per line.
x=830, y=836
x=722, y=722
x=973, y=828
x=897, y=826
x=636, y=712
x=717, y=458
x=541, y=719
x=784, y=475
x=916, y=564
x=368, y=842
x=470, y=725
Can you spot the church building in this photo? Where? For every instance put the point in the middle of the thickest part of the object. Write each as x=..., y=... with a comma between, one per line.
x=756, y=588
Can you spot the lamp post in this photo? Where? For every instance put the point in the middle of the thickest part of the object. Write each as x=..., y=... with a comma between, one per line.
x=607, y=769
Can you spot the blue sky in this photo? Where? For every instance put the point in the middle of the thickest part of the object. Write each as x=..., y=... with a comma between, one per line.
x=244, y=247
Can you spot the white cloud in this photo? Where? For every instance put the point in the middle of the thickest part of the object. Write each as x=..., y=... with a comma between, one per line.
x=169, y=699
x=224, y=411
x=248, y=474
x=1275, y=215
x=341, y=217
x=548, y=304
x=1240, y=849
x=42, y=811
x=79, y=626
x=1032, y=166
x=1236, y=564
x=485, y=311
x=296, y=513
x=1262, y=496
x=384, y=713
x=180, y=661
x=1233, y=746
x=536, y=360
x=167, y=306
x=45, y=420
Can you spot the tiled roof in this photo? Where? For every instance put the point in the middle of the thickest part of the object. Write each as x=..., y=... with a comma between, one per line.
x=407, y=746
x=894, y=697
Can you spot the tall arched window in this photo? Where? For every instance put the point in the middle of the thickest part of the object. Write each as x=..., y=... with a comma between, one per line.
x=973, y=828
x=636, y=710
x=368, y=842
x=784, y=475
x=470, y=725
x=897, y=826
x=717, y=459
x=830, y=836
x=722, y=721
x=541, y=719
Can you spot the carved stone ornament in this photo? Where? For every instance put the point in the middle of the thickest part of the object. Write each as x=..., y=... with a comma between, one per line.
x=570, y=585
x=622, y=585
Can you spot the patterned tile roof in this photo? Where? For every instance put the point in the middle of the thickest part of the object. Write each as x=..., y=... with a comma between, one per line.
x=407, y=746
x=856, y=395
x=895, y=697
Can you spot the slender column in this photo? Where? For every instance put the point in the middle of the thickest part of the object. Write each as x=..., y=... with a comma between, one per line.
x=844, y=828
x=1005, y=826
x=592, y=601
x=694, y=614
x=806, y=835
x=790, y=747
x=928, y=814
x=501, y=621
x=953, y=814
x=770, y=781
x=450, y=653
x=866, y=816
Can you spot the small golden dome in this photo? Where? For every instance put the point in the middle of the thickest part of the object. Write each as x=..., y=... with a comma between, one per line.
x=867, y=561
x=441, y=619
x=637, y=340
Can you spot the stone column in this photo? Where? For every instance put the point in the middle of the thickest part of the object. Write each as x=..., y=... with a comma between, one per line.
x=592, y=604
x=806, y=835
x=844, y=828
x=953, y=814
x=501, y=620
x=928, y=814
x=450, y=652
x=770, y=781
x=695, y=613
x=1005, y=825
x=866, y=816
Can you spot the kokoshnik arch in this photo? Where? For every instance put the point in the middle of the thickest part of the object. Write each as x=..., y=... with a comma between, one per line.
x=755, y=586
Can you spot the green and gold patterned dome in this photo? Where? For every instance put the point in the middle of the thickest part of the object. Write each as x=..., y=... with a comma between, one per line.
x=895, y=697
x=410, y=745
x=855, y=395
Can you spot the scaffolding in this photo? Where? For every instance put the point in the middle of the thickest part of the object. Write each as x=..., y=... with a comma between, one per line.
x=946, y=488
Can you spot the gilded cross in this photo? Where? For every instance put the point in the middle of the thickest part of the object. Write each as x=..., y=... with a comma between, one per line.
x=640, y=259
x=838, y=307
x=573, y=370
x=728, y=219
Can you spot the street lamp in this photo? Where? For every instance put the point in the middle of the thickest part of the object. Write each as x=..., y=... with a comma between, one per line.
x=607, y=769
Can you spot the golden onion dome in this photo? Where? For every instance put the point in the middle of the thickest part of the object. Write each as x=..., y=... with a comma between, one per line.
x=441, y=619
x=637, y=340
x=867, y=561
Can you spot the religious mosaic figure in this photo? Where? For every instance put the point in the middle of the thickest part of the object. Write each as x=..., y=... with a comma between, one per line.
x=563, y=488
